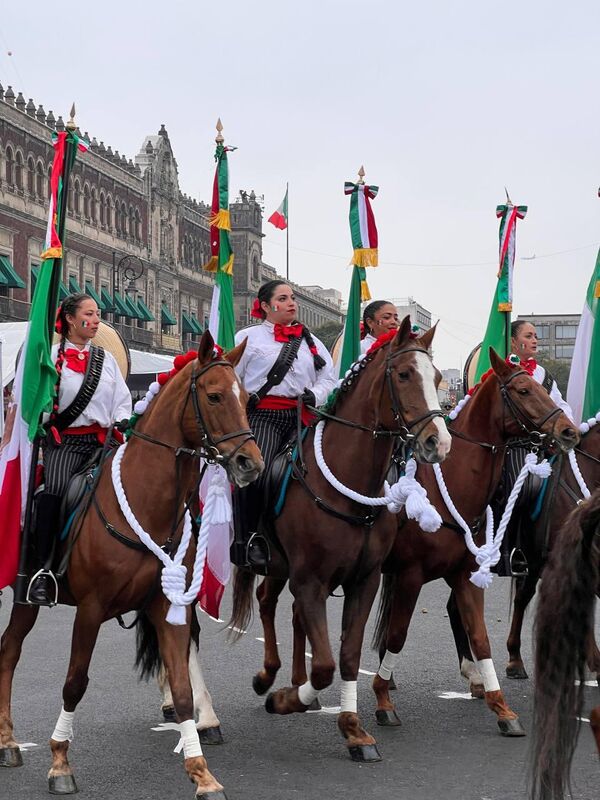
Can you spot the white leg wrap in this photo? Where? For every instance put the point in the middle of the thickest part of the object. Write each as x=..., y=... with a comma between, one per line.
x=189, y=742
x=388, y=665
x=64, y=727
x=469, y=671
x=348, y=696
x=307, y=693
x=488, y=674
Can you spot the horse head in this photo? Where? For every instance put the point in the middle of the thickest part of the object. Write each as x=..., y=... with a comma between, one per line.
x=406, y=393
x=528, y=408
x=214, y=416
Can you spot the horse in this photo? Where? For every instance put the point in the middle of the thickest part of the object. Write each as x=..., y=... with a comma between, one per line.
x=198, y=413
x=564, y=622
x=561, y=494
x=507, y=404
x=329, y=540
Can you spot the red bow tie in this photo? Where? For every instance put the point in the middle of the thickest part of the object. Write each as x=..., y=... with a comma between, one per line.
x=77, y=360
x=529, y=365
x=282, y=333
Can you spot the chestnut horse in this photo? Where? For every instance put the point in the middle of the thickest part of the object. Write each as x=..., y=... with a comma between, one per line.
x=200, y=412
x=564, y=623
x=329, y=540
x=508, y=404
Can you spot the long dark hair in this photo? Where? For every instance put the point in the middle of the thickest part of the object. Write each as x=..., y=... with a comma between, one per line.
x=70, y=306
x=265, y=294
x=369, y=313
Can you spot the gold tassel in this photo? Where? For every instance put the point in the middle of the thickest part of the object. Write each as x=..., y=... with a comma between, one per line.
x=213, y=265
x=365, y=294
x=227, y=268
x=52, y=252
x=504, y=306
x=221, y=219
x=597, y=290
x=365, y=257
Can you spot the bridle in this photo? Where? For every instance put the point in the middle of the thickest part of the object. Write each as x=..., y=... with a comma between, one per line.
x=208, y=449
x=529, y=426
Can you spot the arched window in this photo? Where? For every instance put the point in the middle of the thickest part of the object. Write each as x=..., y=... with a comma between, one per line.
x=102, y=209
x=118, y=217
x=86, y=201
x=138, y=225
x=10, y=166
x=39, y=181
x=19, y=170
x=255, y=268
x=77, y=197
x=31, y=176
x=124, y=219
x=109, y=214
x=93, y=206
x=131, y=223
x=70, y=199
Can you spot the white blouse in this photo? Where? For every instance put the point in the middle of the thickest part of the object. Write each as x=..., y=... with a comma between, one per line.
x=111, y=402
x=539, y=373
x=261, y=353
x=366, y=343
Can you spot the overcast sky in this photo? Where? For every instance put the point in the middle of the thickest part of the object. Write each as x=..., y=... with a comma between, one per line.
x=444, y=103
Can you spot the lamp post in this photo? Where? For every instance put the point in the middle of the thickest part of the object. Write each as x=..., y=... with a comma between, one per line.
x=130, y=267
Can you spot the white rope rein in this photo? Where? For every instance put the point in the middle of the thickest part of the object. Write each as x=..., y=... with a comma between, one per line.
x=578, y=476
x=173, y=578
x=406, y=492
x=488, y=554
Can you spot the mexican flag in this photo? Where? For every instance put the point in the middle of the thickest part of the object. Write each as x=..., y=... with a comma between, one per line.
x=497, y=334
x=35, y=378
x=279, y=218
x=583, y=392
x=222, y=315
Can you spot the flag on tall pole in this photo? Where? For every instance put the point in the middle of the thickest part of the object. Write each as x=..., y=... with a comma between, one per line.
x=497, y=334
x=281, y=220
x=222, y=315
x=583, y=392
x=365, y=243
x=35, y=378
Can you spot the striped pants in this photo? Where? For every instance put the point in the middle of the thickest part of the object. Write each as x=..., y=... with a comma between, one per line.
x=272, y=430
x=63, y=461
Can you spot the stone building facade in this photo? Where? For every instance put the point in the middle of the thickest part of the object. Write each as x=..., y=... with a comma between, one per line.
x=133, y=238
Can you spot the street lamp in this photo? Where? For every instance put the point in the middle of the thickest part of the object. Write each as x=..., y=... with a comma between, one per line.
x=129, y=267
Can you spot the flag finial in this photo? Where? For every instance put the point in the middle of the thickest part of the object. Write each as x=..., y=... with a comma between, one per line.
x=508, y=200
x=71, y=123
x=219, y=139
x=361, y=174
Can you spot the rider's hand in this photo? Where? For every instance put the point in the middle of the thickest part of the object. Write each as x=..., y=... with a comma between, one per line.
x=308, y=397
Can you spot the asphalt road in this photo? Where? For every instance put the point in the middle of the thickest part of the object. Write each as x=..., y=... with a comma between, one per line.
x=448, y=746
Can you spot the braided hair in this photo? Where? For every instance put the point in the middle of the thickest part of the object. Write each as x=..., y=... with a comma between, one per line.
x=69, y=306
x=516, y=326
x=265, y=294
x=369, y=313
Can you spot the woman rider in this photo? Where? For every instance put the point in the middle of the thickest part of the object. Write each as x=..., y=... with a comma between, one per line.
x=379, y=317
x=77, y=425
x=304, y=369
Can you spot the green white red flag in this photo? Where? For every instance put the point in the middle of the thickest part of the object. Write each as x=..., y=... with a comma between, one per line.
x=583, y=392
x=35, y=378
x=279, y=218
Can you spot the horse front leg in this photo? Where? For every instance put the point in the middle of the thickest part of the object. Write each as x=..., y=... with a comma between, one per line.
x=470, y=600
x=466, y=661
x=22, y=620
x=87, y=623
x=358, y=601
x=208, y=725
x=524, y=593
x=267, y=594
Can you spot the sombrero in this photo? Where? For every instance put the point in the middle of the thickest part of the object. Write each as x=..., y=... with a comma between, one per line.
x=110, y=339
x=470, y=369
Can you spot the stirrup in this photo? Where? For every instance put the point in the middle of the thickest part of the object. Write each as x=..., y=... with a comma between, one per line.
x=44, y=577
x=258, y=553
x=518, y=563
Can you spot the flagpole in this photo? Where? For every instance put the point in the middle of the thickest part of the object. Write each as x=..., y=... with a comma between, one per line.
x=287, y=234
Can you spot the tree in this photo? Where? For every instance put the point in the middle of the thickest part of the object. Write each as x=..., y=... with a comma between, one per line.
x=559, y=371
x=328, y=333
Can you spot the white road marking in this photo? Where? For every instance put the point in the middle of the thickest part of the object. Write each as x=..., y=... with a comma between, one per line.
x=237, y=630
x=326, y=710
x=27, y=745
x=582, y=719
x=166, y=726
x=260, y=639
x=456, y=696
x=587, y=683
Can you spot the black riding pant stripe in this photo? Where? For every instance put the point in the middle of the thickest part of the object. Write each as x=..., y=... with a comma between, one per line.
x=272, y=429
x=63, y=461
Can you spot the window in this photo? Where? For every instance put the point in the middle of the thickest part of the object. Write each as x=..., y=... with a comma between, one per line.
x=31, y=176
x=543, y=331
x=138, y=225
x=124, y=220
x=102, y=209
x=93, y=205
x=566, y=331
x=564, y=350
x=131, y=223
x=39, y=180
x=77, y=197
x=10, y=166
x=118, y=217
x=86, y=201
x=19, y=170
x=108, y=213
x=255, y=268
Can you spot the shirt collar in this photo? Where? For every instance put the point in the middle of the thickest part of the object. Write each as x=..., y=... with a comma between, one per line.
x=69, y=344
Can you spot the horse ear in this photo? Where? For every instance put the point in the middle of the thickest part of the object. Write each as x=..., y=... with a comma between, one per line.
x=234, y=356
x=403, y=332
x=499, y=365
x=206, y=347
x=427, y=337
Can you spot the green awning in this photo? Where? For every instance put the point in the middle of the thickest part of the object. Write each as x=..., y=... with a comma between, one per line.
x=121, y=306
x=8, y=276
x=134, y=313
x=196, y=322
x=143, y=309
x=74, y=286
x=109, y=303
x=35, y=273
x=187, y=325
x=62, y=292
x=89, y=289
x=166, y=317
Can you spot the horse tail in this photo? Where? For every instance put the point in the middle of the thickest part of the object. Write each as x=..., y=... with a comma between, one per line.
x=241, y=613
x=388, y=585
x=147, y=654
x=564, y=620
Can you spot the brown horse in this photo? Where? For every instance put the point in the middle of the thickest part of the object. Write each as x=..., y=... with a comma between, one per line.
x=328, y=540
x=565, y=619
x=509, y=403
x=200, y=412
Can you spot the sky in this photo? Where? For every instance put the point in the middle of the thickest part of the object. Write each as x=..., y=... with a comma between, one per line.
x=444, y=103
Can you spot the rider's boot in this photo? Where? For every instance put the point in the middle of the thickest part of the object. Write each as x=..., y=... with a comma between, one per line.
x=43, y=587
x=250, y=548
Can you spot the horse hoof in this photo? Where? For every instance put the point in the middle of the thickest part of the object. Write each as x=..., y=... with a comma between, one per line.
x=212, y=796
x=387, y=718
x=168, y=713
x=477, y=691
x=62, y=784
x=517, y=673
x=364, y=753
x=259, y=685
x=511, y=727
x=10, y=757
x=315, y=705
x=211, y=735
x=392, y=683
x=270, y=704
